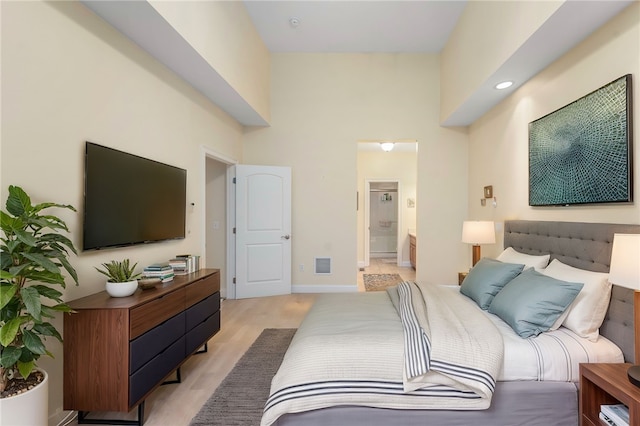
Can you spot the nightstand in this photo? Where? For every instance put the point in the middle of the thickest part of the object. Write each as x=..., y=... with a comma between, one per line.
x=606, y=384
x=461, y=277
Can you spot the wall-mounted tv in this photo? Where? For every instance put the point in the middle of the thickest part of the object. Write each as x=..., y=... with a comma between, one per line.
x=130, y=199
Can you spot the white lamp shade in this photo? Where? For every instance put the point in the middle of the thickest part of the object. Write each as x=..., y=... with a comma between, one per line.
x=478, y=232
x=625, y=261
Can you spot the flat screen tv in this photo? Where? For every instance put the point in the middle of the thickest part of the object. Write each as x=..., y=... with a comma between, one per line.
x=130, y=199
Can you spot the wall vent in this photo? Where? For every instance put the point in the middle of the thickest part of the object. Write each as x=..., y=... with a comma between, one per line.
x=323, y=265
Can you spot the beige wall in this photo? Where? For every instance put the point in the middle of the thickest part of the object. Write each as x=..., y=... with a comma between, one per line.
x=321, y=104
x=223, y=34
x=400, y=166
x=498, y=146
x=487, y=34
x=68, y=77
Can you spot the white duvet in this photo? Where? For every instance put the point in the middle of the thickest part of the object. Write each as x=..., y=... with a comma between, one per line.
x=365, y=332
x=551, y=356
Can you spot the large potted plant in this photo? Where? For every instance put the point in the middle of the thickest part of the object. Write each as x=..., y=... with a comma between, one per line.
x=33, y=256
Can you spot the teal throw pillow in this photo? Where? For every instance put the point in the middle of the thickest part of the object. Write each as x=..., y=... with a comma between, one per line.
x=487, y=278
x=532, y=302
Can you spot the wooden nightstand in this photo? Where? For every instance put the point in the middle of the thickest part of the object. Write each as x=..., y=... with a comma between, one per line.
x=606, y=384
x=461, y=277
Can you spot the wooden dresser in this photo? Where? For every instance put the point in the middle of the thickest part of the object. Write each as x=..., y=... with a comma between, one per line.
x=118, y=350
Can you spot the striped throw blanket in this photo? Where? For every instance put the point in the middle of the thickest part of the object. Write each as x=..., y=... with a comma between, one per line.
x=408, y=348
x=445, y=343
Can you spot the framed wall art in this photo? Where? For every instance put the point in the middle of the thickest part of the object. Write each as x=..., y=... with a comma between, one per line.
x=582, y=152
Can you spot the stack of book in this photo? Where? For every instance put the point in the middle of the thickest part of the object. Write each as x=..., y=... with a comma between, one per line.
x=615, y=415
x=185, y=264
x=164, y=271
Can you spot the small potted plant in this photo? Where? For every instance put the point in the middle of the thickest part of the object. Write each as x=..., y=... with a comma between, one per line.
x=121, y=279
x=33, y=255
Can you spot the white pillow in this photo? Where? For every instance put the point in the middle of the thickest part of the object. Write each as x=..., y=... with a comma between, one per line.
x=585, y=315
x=509, y=255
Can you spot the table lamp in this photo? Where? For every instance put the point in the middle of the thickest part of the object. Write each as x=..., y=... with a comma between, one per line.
x=625, y=272
x=478, y=232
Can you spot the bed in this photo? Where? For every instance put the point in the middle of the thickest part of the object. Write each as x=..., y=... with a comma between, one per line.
x=546, y=395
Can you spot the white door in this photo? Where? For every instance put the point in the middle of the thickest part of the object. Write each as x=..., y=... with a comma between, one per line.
x=263, y=231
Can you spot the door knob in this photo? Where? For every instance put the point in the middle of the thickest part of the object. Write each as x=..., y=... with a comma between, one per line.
x=286, y=237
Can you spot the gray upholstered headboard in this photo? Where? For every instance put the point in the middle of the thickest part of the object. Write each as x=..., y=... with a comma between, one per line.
x=585, y=246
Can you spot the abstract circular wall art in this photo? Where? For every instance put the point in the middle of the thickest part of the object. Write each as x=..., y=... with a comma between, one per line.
x=581, y=153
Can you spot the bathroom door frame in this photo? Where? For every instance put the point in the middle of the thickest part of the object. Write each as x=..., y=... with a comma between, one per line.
x=367, y=219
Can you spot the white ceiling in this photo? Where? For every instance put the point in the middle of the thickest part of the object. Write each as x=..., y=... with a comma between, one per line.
x=356, y=26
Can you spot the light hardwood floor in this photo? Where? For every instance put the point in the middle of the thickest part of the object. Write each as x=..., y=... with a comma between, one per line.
x=241, y=323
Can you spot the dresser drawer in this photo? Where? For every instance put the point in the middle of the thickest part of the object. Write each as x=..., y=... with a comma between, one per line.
x=155, y=341
x=143, y=380
x=145, y=317
x=201, y=289
x=202, y=310
x=201, y=333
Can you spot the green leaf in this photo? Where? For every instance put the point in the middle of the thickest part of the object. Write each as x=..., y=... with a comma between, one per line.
x=10, y=355
x=70, y=270
x=61, y=307
x=33, y=342
x=6, y=222
x=6, y=275
x=31, y=300
x=60, y=239
x=47, y=329
x=42, y=261
x=18, y=202
x=45, y=277
x=25, y=368
x=48, y=312
x=6, y=293
x=48, y=292
x=9, y=331
x=43, y=206
x=5, y=260
x=26, y=237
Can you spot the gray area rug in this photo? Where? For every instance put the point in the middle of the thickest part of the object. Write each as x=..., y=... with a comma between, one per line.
x=240, y=398
x=380, y=282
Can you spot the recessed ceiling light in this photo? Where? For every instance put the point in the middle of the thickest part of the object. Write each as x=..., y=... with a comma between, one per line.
x=504, y=85
x=386, y=146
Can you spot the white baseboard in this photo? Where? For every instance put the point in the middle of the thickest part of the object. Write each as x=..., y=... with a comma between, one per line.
x=324, y=288
x=404, y=264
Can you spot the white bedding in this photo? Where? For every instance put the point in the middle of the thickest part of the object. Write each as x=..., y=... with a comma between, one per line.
x=365, y=332
x=552, y=356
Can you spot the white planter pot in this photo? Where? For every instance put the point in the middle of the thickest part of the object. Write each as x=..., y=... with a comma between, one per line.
x=27, y=409
x=121, y=289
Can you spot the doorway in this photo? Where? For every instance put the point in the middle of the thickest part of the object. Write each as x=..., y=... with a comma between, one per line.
x=386, y=171
x=383, y=220
x=217, y=214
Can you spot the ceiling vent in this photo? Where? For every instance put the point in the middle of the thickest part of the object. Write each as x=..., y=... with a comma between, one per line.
x=323, y=265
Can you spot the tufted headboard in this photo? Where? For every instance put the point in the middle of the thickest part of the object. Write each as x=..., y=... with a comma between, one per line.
x=585, y=246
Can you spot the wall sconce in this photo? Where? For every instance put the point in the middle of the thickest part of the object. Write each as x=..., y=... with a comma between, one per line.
x=625, y=272
x=386, y=146
x=478, y=232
